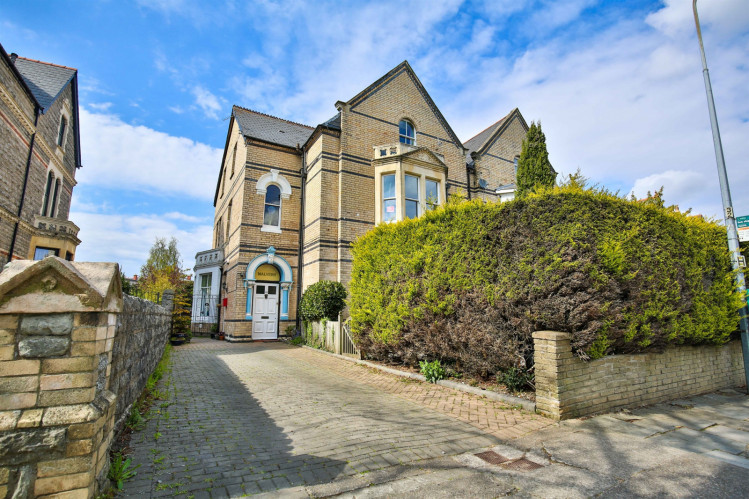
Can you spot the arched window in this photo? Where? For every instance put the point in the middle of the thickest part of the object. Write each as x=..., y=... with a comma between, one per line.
x=406, y=131
x=54, y=198
x=272, y=213
x=47, y=193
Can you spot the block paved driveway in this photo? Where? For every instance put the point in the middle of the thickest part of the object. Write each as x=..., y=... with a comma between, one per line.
x=258, y=417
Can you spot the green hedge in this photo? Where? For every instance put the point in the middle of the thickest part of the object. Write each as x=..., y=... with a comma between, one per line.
x=470, y=282
x=323, y=300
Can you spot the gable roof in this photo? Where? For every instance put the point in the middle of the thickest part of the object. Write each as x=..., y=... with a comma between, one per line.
x=18, y=75
x=270, y=129
x=478, y=142
x=405, y=66
x=46, y=80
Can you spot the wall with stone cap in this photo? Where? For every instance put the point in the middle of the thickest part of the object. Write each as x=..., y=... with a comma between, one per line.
x=57, y=396
x=567, y=387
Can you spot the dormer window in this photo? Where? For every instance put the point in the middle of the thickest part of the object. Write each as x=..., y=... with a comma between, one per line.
x=62, y=130
x=406, y=131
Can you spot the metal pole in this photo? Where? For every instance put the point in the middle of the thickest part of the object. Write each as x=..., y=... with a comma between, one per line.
x=725, y=192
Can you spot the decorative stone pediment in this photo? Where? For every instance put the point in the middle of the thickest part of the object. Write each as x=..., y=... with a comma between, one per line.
x=424, y=155
x=54, y=285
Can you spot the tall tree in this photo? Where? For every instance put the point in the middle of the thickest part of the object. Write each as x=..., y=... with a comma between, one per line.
x=163, y=268
x=534, y=168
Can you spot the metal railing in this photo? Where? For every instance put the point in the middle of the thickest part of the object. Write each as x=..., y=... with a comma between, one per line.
x=205, y=310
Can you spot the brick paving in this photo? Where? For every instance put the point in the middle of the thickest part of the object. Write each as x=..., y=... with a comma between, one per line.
x=248, y=418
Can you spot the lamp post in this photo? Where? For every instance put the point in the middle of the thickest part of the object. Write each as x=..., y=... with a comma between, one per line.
x=725, y=192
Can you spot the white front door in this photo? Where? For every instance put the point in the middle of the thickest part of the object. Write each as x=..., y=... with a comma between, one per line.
x=265, y=312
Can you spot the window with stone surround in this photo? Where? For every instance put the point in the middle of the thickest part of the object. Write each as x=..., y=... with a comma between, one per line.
x=388, y=197
x=272, y=211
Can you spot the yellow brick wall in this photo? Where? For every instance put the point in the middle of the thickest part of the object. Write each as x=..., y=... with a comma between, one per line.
x=567, y=387
x=496, y=165
x=246, y=240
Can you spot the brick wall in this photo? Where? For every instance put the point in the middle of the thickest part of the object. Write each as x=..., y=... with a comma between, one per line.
x=567, y=387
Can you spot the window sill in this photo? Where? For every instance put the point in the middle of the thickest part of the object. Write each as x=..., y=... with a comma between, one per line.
x=270, y=228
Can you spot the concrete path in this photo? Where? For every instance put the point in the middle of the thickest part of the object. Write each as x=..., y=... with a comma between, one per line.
x=690, y=448
x=249, y=418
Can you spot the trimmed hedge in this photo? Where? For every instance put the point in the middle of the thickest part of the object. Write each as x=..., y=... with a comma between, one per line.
x=323, y=300
x=468, y=283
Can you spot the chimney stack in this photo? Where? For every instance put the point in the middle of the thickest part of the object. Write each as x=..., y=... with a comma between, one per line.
x=13, y=57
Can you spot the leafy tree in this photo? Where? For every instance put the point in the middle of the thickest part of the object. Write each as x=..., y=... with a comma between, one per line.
x=534, y=168
x=163, y=269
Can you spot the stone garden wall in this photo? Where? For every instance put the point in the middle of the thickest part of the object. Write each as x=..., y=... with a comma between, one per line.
x=567, y=387
x=142, y=333
x=60, y=373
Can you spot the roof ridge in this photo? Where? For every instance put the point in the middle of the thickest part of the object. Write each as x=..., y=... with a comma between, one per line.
x=47, y=63
x=274, y=117
x=492, y=125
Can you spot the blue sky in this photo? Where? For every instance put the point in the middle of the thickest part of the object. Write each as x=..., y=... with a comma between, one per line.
x=617, y=86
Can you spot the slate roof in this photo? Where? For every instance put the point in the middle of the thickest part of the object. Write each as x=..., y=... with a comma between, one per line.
x=271, y=129
x=45, y=80
x=475, y=143
x=334, y=122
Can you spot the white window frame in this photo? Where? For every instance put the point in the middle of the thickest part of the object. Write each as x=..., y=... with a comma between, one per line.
x=273, y=228
x=383, y=198
x=416, y=200
x=406, y=139
x=427, y=205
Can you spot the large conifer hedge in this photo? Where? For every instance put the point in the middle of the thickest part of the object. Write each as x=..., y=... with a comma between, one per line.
x=469, y=282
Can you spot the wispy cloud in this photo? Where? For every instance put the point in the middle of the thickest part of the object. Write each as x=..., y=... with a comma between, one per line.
x=126, y=239
x=208, y=102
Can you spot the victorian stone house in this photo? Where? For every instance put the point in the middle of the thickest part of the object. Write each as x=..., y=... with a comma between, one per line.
x=290, y=198
x=39, y=154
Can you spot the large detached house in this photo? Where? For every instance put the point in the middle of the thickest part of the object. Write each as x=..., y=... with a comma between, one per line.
x=290, y=198
x=39, y=154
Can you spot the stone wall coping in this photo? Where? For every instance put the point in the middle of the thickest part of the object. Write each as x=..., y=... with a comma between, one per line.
x=551, y=335
x=54, y=285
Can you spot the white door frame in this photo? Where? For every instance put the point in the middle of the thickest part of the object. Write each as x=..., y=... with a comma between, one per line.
x=266, y=308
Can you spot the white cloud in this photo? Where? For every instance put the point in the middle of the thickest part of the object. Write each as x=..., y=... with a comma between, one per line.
x=686, y=187
x=175, y=215
x=208, y=102
x=126, y=239
x=101, y=107
x=124, y=156
x=626, y=105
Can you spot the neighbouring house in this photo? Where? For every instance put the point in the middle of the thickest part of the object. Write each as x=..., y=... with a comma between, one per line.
x=290, y=198
x=39, y=154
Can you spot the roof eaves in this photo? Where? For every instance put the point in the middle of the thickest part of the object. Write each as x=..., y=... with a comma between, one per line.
x=19, y=77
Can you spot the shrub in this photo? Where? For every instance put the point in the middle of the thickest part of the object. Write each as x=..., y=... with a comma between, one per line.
x=516, y=379
x=432, y=371
x=470, y=282
x=182, y=313
x=324, y=299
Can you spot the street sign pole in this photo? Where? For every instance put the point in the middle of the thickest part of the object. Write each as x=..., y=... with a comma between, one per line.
x=725, y=192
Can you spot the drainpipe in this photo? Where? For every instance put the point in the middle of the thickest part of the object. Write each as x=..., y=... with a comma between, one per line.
x=300, y=258
x=37, y=111
x=468, y=181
